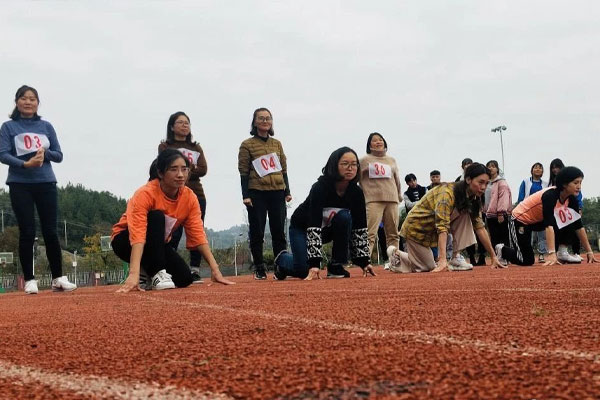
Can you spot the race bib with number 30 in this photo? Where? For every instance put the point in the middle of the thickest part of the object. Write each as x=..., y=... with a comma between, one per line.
x=191, y=155
x=26, y=143
x=565, y=216
x=379, y=171
x=267, y=164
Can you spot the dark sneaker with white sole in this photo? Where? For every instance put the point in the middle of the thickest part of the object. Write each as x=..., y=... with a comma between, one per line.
x=278, y=274
x=196, y=275
x=260, y=273
x=336, y=271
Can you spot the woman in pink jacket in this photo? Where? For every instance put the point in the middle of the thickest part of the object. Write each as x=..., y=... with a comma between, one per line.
x=498, y=205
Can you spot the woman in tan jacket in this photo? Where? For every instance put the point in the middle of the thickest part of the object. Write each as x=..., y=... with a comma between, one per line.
x=265, y=187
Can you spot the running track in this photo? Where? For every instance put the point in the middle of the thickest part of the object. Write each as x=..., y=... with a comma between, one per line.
x=516, y=333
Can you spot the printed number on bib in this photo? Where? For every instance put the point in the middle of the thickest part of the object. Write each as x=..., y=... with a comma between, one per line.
x=169, y=224
x=328, y=214
x=379, y=170
x=565, y=216
x=191, y=155
x=26, y=143
x=267, y=164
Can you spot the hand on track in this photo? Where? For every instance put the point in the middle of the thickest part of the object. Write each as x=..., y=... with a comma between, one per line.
x=368, y=270
x=312, y=273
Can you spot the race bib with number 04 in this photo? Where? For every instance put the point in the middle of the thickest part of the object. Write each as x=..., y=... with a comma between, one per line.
x=565, y=216
x=379, y=171
x=191, y=155
x=26, y=143
x=328, y=214
x=267, y=164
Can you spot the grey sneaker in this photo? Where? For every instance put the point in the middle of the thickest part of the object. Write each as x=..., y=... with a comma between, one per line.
x=498, y=249
x=459, y=264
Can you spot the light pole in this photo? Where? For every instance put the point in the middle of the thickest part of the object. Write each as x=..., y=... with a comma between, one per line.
x=499, y=129
x=235, y=253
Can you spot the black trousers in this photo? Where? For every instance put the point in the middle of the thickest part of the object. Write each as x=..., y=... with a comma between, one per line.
x=520, y=251
x=43, y=196
x=381, y=241
x=271, y=203
x=498, y=231
x=157, y=254
x=195, y=256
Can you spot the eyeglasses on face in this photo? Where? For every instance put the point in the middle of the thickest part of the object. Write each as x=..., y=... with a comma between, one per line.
x=181, y=122
x=264, y=119
x=348, y=165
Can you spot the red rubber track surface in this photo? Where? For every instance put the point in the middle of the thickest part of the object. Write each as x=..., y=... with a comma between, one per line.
x=516, y=333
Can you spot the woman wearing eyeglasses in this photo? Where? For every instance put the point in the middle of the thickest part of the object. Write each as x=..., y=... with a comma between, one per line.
x=265, y=187
x=179, y=137
x=380, y=182
x=334, y=211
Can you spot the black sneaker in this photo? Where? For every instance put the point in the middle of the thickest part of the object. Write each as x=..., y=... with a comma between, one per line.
x=335, y=271
x=196, y=276
x=278, y=274
x=260, y=273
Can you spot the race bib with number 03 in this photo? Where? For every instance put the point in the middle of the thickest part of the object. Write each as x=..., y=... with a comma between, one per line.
x=267, y=164
x=379, y=171
x=26, y=143
x=565, y=216
x=191, y=155
x=328, y=214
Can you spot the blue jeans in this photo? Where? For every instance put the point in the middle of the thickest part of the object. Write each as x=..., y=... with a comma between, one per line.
x=541, y=241
x=296, y=263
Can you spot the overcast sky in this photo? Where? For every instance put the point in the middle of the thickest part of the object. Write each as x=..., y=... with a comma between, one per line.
x=433, y=77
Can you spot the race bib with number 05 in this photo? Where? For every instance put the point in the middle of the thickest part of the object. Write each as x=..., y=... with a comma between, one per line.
x=267, y=164
x=26, y=143
x=379, y=171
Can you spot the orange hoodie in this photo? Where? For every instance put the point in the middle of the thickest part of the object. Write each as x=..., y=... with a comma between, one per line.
x=184, y=209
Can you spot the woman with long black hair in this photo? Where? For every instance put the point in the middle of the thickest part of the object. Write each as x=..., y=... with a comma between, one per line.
x=142, y=235
x=179, y=137
x=447, y=208
x=28, y=145
x=334, y=211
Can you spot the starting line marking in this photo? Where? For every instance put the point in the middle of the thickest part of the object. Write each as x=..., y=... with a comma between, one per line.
x=98, y=386
x=418, y=336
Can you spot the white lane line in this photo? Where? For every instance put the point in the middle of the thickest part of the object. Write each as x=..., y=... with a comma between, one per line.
x=98, y=386
x=417, y=336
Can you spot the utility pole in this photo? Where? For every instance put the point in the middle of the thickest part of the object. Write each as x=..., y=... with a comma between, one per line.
x=499, y=130
x=65, y=233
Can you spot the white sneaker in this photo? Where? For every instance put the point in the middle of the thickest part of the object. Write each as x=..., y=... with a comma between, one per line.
x=564, y=257
x=162, y=280
x=395, y=256
x=578, y=257
x=31, y=287
x=386, y=266
x=498, y=250
x=62, y=284
x=459, y=263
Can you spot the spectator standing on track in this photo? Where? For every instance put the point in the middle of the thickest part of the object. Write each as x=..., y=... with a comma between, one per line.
x=554, y=210
x=529, y=186
x=435, y=177
x=413, y=193
x=142, y=235
x=179, y=137
x=334, y=211
x=380, y=183
x=265, y=187
x=28, y=145
x=497, y=206
x=449, y=207
x=555, y=166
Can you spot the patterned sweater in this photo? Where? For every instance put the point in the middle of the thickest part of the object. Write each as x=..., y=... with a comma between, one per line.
x=308, y=217
x=431, y=216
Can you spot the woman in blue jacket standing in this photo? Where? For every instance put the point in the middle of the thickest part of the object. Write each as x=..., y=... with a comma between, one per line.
x=28, y=145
